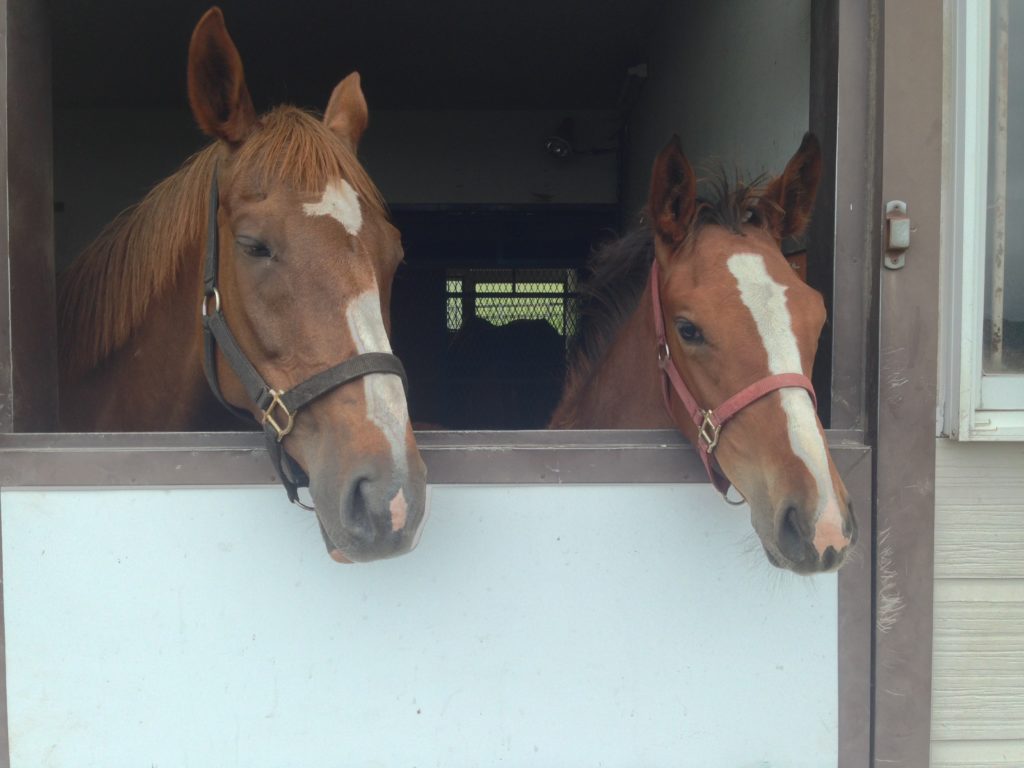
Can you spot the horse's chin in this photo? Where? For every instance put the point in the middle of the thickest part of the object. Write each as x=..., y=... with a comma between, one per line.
x=348, y=549
x=785, y=565
x=368, y=523
x=804, y=568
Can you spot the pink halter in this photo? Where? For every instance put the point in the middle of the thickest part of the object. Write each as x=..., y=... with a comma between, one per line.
x=709, y=422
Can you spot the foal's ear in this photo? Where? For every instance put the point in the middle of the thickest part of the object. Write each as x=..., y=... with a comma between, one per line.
x=346, y=113
x=216, y=83
x=788, y=200
x=673, y=198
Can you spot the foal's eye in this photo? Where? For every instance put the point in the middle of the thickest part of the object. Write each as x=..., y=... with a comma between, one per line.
x=254, y=248
x=689, y=332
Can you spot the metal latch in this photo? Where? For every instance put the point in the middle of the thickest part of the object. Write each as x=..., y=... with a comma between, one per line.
x=897, y=241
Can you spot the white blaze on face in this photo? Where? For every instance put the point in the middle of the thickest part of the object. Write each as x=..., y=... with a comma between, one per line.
x=340, y=202
x=385, y=397
x=766, y=300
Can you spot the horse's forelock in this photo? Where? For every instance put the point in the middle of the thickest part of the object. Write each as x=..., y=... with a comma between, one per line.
x=619, y=269
x=293, y=147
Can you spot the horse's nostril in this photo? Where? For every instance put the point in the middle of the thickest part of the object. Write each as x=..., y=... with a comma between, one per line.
x=791, y=537
x=829, y=558
x=355, y=512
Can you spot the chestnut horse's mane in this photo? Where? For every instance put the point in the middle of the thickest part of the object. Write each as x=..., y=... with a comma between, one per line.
x=104, y=295
x=619, y=270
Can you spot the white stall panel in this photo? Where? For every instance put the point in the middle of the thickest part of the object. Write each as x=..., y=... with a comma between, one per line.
x=534, y=626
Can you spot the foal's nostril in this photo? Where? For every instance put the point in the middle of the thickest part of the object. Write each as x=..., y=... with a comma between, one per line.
x=792, y=541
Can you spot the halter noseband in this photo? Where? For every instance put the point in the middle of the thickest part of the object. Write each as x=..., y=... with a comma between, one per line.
x=709, y=422
x=278, y=407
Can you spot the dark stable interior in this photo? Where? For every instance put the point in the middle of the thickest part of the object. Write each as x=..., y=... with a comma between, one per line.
x=485, y=305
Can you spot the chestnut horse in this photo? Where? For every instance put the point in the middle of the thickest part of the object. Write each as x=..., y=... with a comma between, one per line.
x=731, y=371
x=303, y=254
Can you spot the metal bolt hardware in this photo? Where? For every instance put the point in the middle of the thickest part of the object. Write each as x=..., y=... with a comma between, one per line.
x=897, y=234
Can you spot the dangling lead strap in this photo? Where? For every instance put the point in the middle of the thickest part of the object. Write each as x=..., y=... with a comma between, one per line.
x=278, y=408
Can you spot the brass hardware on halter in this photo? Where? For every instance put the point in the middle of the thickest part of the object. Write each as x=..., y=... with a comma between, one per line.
x=708, y=431
x=268, y=417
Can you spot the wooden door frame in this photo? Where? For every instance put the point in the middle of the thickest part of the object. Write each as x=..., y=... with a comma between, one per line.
x=844, y=52
x=910, y=100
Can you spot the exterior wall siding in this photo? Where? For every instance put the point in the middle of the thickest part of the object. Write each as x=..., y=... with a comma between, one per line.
x=978, y=655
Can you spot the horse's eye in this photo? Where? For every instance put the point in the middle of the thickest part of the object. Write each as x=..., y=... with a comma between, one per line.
x=254, y=248
x=752, y=217
x=689, y=332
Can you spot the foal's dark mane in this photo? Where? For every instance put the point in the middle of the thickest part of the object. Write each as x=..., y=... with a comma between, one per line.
x=104, y=295
x=619, y=269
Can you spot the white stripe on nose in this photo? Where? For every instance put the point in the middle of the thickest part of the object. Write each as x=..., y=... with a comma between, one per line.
x=766, y=300
x=385, y=398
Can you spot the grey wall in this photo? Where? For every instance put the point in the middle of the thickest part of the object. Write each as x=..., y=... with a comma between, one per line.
x=732, y=78
x=459, y=156
x=105, y=160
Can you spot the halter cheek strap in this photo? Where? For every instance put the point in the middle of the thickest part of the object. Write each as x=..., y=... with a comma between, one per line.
x=278, y=408
x=709, y=422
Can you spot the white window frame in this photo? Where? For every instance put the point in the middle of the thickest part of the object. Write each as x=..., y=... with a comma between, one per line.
x=976, y=405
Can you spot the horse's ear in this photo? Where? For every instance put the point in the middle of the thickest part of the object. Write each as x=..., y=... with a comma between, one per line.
x=673, y=199
x=788, y=200
x=216, y=83
x=347, y=114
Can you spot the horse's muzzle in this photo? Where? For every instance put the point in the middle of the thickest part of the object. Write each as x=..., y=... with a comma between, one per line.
x=803, y=546
x=371, y=514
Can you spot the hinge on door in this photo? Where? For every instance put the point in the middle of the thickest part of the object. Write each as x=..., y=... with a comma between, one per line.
x=897, y=234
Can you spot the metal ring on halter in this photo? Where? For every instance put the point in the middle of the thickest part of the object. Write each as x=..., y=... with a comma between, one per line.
x=739, y=503
x=299, y=503
x=216, y=302
x=664, y=354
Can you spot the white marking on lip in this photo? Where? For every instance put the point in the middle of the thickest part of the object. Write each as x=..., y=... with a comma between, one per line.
x=766, y=300
x=385, y=398
x=340, y=202
x=399, y=509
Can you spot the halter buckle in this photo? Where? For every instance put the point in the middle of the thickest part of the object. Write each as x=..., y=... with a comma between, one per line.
x=268, y=415
x=708, y=431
